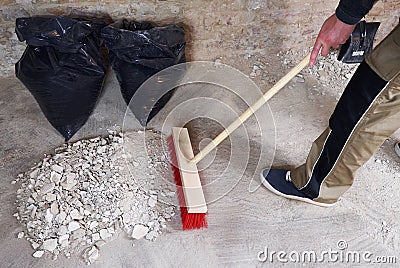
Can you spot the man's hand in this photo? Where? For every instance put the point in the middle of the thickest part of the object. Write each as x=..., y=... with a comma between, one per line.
x=332, y=34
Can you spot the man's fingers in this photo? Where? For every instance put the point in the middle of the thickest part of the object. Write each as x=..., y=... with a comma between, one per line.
x=325, y=50
x=314, y=53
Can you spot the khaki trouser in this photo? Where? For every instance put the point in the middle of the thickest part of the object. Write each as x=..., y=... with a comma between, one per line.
x=367, y=113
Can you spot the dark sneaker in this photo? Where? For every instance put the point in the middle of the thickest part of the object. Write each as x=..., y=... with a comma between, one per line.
x=278, y=181
x=397, y=148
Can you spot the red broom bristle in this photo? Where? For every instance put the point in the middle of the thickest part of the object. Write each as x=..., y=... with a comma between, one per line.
x=189, y=220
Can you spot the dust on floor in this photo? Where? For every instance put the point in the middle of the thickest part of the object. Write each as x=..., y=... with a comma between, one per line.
x=241, y=223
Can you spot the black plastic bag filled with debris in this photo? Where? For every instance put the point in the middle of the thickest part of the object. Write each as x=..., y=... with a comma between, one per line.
x=62, y=67
x=137, y=51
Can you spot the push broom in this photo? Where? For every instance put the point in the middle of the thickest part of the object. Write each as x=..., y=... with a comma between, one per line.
x=190, y=193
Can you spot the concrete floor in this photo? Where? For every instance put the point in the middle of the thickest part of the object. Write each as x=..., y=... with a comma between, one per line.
x=241, y=223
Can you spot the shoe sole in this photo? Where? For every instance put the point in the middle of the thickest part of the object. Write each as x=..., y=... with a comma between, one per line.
x=303, y=199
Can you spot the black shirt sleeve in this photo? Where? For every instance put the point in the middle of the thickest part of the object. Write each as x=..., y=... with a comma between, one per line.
x=352, y=11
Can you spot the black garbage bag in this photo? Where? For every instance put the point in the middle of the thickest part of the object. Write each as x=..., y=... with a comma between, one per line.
x=137, y=51
x=62, y=67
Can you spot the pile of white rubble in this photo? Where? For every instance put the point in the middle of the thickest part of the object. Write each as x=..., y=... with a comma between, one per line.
x=86, y=192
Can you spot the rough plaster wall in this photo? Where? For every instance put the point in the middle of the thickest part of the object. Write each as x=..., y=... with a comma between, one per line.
x=223, y=28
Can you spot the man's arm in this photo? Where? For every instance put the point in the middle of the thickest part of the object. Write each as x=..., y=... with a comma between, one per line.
x=352, y=11
x=338, y=27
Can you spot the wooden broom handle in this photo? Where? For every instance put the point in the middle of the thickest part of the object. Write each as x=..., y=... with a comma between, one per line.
x=251, y=110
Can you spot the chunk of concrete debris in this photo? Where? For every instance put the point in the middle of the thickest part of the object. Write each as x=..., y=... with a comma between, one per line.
x=20, y=235
x=75, y=215
x=99, y=243
x=50, y=197
x=38, y=254
x=91, y=254
x=62, y=230
x=47, y=188
x=70, y=181
x=73, y=225
x=70, y=177
x=61, y=217
x=152, y=200
x=49, y=216
x=55, y=177
x=151, y=235
x=77, y=234
x=62, y=238
x=93, y=225
x=104, y=234
x=49, y=244
x=64, y=244
x=57, y=168
x=34, y=174
x=35, y=245
x=54, y=208
x=139, y=231
x=95, y=237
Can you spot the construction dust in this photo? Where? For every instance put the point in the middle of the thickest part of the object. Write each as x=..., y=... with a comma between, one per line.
x=77, y=199
x=328, y=73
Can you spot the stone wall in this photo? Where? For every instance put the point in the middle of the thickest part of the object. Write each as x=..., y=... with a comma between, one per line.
x=218, y=28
